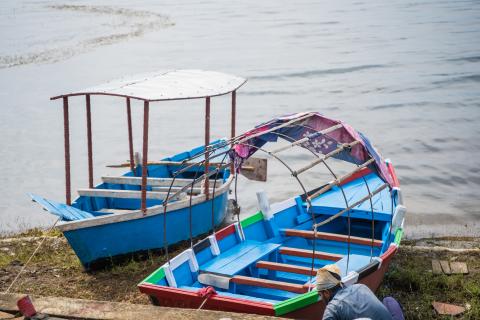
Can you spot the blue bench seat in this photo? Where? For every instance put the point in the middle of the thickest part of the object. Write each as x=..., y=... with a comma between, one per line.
x=237, y=258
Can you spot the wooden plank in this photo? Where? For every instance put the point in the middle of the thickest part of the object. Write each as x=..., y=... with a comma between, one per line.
x=458, y=267
x=447, y=309
x=95, y=310
x=276, y=266
x=309, y=253
x=445, y=267
x=436, y=267
x=154, y=210
x=272, y=284
x=115, y=211
x=331, y=236
x=5, y=315
x=155, y=182
x=259, y=169
x=212, y=165
x=121, y=194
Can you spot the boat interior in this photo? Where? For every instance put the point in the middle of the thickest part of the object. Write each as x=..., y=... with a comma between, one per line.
x=169, y=177
x=275, y=258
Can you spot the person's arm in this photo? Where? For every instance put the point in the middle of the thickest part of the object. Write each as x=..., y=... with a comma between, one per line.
x=330, y=313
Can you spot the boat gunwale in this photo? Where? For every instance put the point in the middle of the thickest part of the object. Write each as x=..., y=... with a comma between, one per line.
x=139, y=214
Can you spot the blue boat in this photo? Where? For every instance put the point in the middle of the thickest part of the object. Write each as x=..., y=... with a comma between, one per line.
x=267, y=263
x=153, y=204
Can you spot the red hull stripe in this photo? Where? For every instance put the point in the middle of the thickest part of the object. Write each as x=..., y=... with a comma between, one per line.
x=219, y=235
x=359, y=174
x=175, y=297
x=392, y=172
x=390, y=251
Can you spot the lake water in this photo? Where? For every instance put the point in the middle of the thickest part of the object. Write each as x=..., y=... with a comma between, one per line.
x=405, y=73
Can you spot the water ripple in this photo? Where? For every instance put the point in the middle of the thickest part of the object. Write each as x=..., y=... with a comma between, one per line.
x=317, y=73
x=139, y=22
x=463, y=79
x=466, y=59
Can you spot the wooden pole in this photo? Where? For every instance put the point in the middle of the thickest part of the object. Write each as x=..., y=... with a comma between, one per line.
x=207, y=142
x=66, y=135
x=338, y=181
x=144, y=157
x=89, y=142
x=234, y=113
x=130, y=136
x=233, y=123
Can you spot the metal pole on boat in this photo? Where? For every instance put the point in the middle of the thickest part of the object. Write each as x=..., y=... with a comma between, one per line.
x=66, y=135
x=89, y=142
x=234, y=115
x=207, y=142
x=130, y=136
x=144, y=157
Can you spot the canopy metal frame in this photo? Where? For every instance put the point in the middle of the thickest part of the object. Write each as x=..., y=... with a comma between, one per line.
x=295, y=174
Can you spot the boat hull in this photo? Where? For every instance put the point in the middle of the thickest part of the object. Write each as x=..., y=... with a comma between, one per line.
x=99, y=243
x=372, y=280
x=174, y=297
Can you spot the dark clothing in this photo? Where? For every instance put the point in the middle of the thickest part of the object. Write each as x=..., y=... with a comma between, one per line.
x=394, y=308
x=355, y=301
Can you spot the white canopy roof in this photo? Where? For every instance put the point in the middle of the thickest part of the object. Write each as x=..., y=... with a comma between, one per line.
x=169, y=85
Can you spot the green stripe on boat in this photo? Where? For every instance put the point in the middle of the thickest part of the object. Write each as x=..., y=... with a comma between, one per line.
x=252, y=219
x=298, y=302
x=398, y=236
x=158, y=275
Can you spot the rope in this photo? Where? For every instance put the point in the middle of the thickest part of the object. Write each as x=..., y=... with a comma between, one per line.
x=31, y=256
x=203, y=303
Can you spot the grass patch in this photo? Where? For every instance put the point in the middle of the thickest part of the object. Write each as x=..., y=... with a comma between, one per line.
x=411, y=281
x=56, y=271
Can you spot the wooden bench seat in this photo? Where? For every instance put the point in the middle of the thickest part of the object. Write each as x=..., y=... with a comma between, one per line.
x=114, y=211
x=122, y=194
x=155, y=182
x=306, y=253
x=272, y=284
x=331, y=236
x=276, y=266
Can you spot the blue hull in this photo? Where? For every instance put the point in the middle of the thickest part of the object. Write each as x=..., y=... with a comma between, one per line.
x=103, y=226
x=109, y=240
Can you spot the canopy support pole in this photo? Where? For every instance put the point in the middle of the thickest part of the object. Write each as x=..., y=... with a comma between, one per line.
x=145, y=157
x=336, y=182
x=327, y=156
x=66, y=136
x=357, y=203
x=311, y=136
x=130, y=136
x=89, y=142
x=243, y=139
x=233, y=123
x=207, y=142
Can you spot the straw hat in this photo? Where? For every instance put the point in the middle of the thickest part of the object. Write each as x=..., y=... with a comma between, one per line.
x=328, y=277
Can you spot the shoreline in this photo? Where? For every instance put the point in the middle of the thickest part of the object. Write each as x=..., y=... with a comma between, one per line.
x=55, y=271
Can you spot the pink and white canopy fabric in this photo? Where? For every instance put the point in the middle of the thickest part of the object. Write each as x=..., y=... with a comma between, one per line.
x=309, y=125
x=167, y=85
